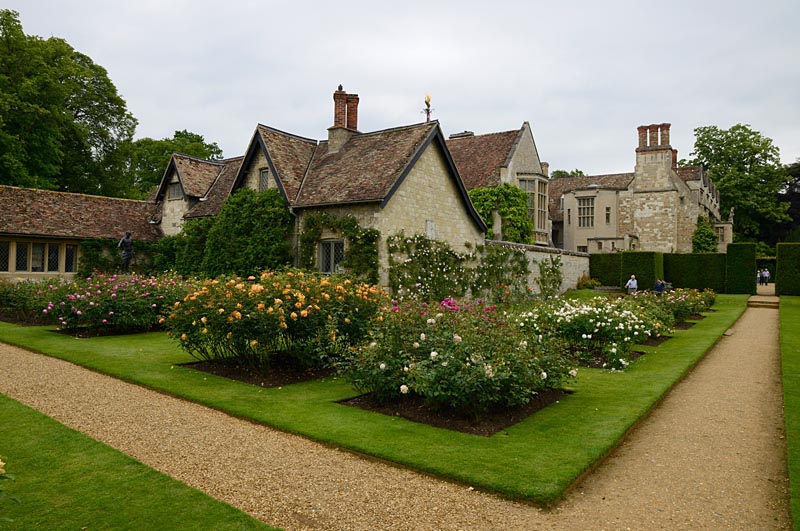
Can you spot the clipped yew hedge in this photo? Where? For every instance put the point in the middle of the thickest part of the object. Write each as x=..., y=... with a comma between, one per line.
x=740, y=268
x=607, y=268
x=696, y=270
x=788, y=269
x=647, y=266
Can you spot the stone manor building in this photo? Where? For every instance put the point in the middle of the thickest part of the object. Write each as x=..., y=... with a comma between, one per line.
x=654, y=208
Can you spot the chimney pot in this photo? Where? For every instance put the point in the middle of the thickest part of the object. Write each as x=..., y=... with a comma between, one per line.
x=339, y=107
x=352, y=111
x=664, y=134
x=642, y=136
x=653, y=135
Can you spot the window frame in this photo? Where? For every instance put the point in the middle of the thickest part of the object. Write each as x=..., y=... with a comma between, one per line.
x=333, y=265
x=585, y=212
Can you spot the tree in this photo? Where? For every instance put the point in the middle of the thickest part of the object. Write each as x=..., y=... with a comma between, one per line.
x=790, y=231
x=146, y=158
x=61, y=119
x=704, y=239
x=745, y=167
x=563, y=173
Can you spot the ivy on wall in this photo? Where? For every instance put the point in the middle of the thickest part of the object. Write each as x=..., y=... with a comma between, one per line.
x=511, y=203
x=431, y=270
x=360, y=252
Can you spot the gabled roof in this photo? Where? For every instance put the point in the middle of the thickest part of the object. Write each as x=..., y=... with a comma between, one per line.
x=480, y=157
x=288, y=156
x=366, y=168
x=211, y=203
x=44, y=213
x=196, y=175
x=561, y=185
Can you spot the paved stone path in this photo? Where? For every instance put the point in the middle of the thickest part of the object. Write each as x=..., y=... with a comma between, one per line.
x=711, y=456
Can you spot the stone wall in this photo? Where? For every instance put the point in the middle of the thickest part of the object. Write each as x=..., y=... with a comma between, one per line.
x=573, y=265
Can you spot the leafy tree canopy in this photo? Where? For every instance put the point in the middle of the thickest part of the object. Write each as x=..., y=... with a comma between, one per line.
x=61, y=119
x=147, y=158
x=745, y=167
x=564, y=173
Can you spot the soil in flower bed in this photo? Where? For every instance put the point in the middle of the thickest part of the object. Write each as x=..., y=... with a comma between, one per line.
x=277, y=376
x=413, y=408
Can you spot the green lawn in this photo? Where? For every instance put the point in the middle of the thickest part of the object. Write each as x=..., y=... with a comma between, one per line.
x=66, y=480
x=536, y=460
x=790, y=362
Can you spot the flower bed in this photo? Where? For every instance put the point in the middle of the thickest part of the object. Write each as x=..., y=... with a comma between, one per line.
x=303, y=319
x=111, y=303
x=460, y=357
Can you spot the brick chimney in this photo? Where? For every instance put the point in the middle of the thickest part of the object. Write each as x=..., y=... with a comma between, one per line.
x=352, y=111
x=345, y=119
x=655, y=136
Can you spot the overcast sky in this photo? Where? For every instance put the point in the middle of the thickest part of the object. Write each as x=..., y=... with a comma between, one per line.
x=584, y=73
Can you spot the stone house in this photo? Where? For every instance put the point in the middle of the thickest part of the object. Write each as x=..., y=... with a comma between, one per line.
x=185, y=189
x=654, y=208
x=395, y=180
x=508, y=157
x=41, y=231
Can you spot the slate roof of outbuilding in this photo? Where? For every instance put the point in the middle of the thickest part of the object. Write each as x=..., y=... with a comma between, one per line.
x=365, y=169
x=44, y=213
x=196, y=175
x=562, y=185
x=290, y=154
x=480, y=157
x=212, y=202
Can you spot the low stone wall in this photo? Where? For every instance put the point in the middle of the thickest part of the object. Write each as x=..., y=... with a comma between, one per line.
x=573, y=265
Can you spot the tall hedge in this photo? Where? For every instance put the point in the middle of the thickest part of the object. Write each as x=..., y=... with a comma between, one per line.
x=648, y=266
x=607, y=268
x=696, y=270
x=740, y=270
x=788, y=269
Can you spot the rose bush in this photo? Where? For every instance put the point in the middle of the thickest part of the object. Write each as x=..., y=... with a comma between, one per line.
x=455, y=356
x=112, y=303
x=303, y=318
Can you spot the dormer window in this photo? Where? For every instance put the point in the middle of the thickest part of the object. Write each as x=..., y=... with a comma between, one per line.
x=174, y=191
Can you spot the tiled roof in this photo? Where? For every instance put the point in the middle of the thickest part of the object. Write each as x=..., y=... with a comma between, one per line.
x=219, y=191
x=562, y=185
x=479, y=158
x=196, y=175
x=290, y=154
x=365, y=168
x=30, y=212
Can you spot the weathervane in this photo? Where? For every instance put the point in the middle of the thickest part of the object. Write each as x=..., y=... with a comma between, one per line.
x=427, y=110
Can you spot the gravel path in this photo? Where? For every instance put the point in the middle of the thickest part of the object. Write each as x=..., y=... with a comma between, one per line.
x=710, y=456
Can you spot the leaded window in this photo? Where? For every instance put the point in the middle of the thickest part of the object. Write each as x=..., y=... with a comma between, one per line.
x=331, y=253
x=263, y=183
x=5, y=255
x=70, y=258
x=37, y=257
x=174, y=191
x=22, y=256
x=53, y=256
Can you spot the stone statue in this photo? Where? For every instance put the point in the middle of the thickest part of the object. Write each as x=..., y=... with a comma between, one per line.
x=730, y=215
x=126, y=244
